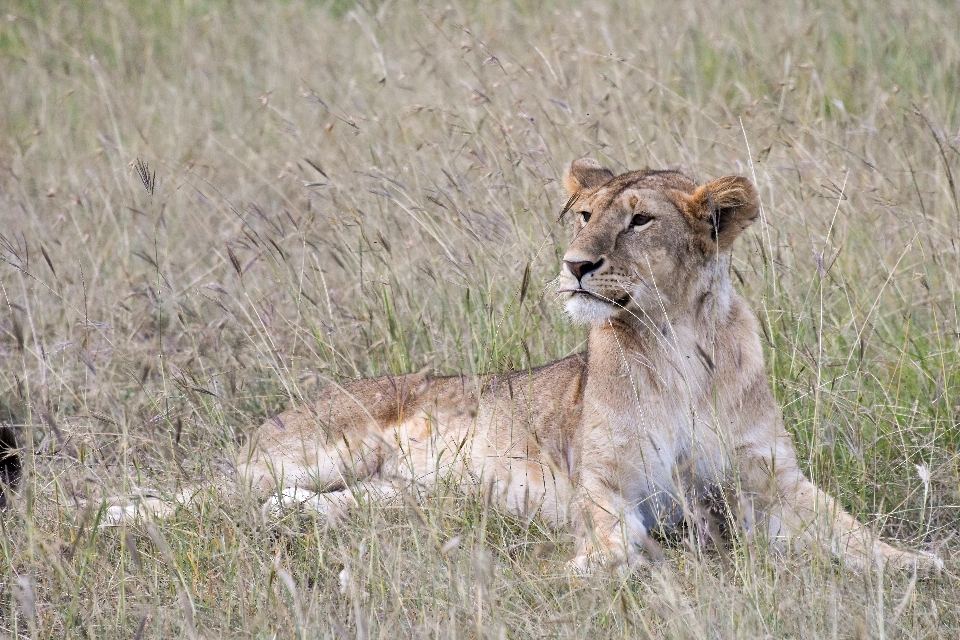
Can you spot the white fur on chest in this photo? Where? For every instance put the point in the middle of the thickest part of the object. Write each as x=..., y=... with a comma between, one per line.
x=662, y=427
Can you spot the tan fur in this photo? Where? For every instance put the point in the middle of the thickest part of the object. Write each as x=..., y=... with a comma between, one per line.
x=667, y=416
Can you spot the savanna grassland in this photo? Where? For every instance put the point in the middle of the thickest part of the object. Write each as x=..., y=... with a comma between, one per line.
x=345, y=190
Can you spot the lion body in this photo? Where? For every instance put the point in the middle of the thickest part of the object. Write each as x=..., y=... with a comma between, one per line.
x=509, y=435
x=667, y=417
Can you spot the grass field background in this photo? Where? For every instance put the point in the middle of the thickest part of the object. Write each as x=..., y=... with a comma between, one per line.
x=345, y=190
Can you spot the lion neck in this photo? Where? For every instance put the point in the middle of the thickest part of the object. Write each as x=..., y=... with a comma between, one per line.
x=699, y=307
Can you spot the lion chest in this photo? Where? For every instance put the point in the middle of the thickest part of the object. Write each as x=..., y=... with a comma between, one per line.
x=655, y=433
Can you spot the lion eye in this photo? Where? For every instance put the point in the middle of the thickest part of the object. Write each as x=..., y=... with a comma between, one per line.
x=585, y=217
x=639, y=220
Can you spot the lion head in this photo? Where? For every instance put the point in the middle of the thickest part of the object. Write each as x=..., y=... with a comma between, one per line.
x=647, y=243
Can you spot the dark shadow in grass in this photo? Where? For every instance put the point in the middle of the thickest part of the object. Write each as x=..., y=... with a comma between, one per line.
x=10, y=462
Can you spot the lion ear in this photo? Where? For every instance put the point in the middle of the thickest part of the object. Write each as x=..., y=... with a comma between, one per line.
x=585, y=174
x=722, y=209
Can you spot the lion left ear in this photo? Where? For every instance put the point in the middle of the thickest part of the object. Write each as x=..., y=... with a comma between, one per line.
x=720, y=210
x=586, y=174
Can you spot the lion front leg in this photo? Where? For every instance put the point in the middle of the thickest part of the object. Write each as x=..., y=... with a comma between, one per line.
x=802, y=516
x=609, y=532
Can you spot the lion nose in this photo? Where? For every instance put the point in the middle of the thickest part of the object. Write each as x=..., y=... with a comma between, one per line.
x=580, y=269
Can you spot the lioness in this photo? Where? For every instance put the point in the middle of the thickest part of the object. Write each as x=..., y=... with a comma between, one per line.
x=667, y=415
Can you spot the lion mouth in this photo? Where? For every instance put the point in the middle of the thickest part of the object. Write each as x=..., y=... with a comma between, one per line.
x=616, y=302
x=582, y=292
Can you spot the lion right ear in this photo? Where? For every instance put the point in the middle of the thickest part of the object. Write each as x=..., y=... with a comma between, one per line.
x=586, y=174
x=720, y=210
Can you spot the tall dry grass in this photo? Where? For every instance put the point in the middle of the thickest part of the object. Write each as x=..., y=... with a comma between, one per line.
x=343, y=190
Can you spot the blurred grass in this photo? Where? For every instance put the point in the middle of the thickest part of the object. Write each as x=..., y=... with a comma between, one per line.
x=347, y=190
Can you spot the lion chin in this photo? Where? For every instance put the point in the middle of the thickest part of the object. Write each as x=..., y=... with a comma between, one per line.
x=585, y=309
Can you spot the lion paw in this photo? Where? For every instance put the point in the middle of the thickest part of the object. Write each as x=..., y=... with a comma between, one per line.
x=586, y=563
x=923, y=562
x=306, y=503
x=927, y=563
x=117, y=514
